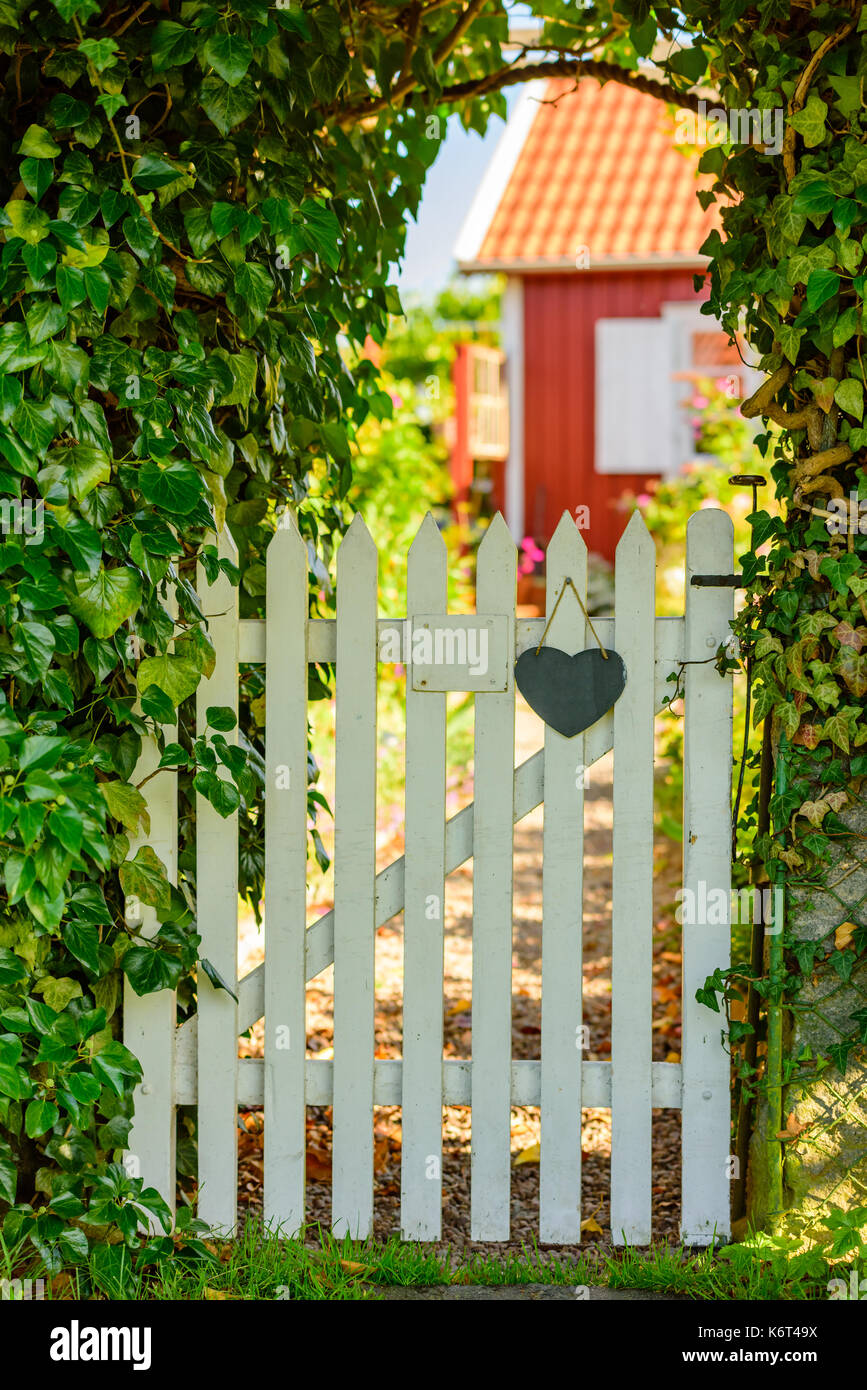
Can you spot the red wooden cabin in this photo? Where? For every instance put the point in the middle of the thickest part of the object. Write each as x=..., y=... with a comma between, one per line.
x=590, y=210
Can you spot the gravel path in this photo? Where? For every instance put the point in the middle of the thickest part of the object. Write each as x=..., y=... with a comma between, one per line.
x=526, y=1033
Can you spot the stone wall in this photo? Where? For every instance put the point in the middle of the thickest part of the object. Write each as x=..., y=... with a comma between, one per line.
x=826, y=1165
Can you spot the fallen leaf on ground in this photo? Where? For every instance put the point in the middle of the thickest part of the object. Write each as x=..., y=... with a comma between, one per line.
x=529, y=1155
x=672, y=1056
x=461, y=1007
x=591, y=1227
x=794, y=1128
x=843, y=935
x=318, y=1165
x=219, y=1294
x=352, y=1267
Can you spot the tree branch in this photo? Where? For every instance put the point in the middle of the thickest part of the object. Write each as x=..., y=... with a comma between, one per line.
x=451, y=41
x=531, y=72
x=572, y=67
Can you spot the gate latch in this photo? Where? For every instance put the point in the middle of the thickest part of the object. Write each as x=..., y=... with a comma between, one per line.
x=717, y=581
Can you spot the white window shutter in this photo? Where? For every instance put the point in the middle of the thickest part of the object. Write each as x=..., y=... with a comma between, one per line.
x=635, y=402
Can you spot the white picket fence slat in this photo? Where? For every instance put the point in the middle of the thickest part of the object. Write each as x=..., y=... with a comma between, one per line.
x=197, y=1062
x=707, y=759
x=149, y=1029
x=424, y=911
x=217, y=917
x=354, y=878
x=562, y=913
x=284, y=999
x=493, y=788
x=632, y=888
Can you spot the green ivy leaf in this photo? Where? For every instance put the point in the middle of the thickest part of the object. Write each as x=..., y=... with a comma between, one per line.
x=98, y=288
x=253, y=291
x=14, y=1083
x=839, y=1054
x=149, y=969
x=115, y=1065
x=107, y=600
x=12, y=971
x=37, y=177
x=144, y=877
x=322, y=231
x=38, y=144
x=8, y=1179
x=221, y=717
x=849, y=395
x=244, y=370
x=227, y=106
x=821, y=286
x=84, y=1087
x=88, y=467
x=690, y=63
x=216, y=979
x=28, y=221
x=37, y=643
x=39, y=1117
x=101, y=52
x=838, y=727
x=230, y=55
x=172, y=45
x=36, y=422
x=789, y=337
x=846, y=326
x=111, y=103
x=222, y=795
x=150, y=173
x=838, y=569
x=177, y=676
x=810, y=121
x=176, y=487
x=815, y=200
x=126, y=804
x=71, y=290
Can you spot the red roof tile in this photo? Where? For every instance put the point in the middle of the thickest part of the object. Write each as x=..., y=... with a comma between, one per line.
x=599, y=170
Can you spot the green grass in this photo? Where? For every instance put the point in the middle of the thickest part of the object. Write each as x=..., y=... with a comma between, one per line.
x=261, y=1267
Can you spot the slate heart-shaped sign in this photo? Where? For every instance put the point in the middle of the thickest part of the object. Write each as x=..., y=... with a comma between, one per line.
x=570, y=692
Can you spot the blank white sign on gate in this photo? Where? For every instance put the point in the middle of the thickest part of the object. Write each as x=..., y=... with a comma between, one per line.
x=447, y=651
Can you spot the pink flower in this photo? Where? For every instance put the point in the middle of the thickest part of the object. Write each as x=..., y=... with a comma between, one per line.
x=699, y=402
x=643, y=499
x=396, y=400
x=531, y=550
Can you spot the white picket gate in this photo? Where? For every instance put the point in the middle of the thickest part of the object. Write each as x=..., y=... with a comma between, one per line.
x=198, y=1063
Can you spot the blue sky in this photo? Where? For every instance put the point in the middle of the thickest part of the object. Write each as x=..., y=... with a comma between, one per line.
x=449, y=190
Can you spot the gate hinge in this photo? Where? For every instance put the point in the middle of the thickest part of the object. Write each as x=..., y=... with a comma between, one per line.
x=717, y=581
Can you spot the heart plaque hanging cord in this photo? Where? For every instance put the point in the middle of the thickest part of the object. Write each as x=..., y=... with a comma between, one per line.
x=570, y=693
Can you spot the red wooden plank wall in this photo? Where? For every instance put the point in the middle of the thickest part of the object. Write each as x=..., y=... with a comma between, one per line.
x=559, y=385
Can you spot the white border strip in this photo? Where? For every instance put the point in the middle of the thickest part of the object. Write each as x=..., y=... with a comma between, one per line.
x=512, y=319
x=496, y=177
x=558, y=264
